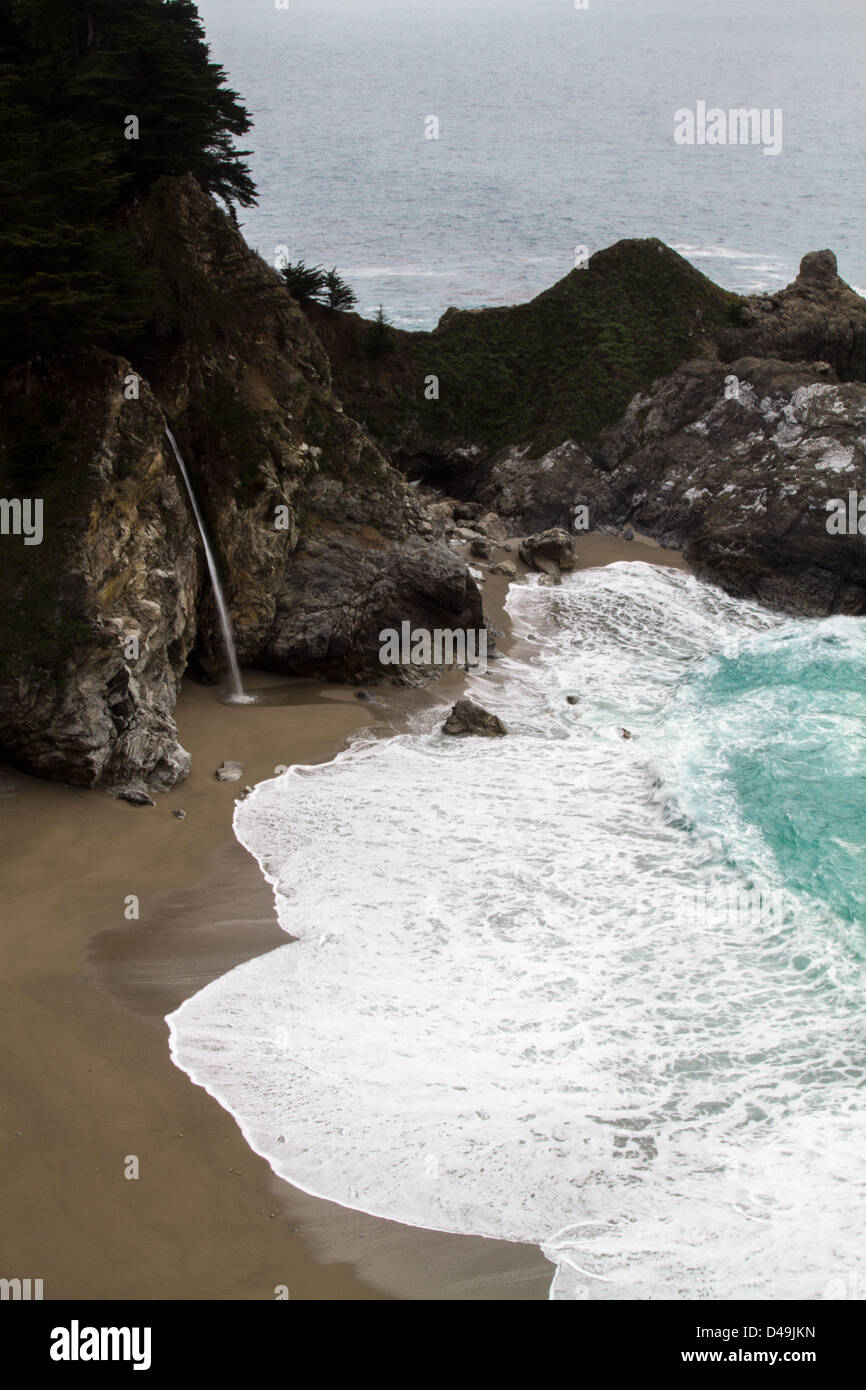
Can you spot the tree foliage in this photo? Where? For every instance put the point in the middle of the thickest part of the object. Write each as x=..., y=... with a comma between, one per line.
x=71, y=74
x=381, y=338
x=311, y=282
x=304, y=281
x=339, y=295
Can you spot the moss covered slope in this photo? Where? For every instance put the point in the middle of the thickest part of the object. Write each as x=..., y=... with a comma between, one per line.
x=563, y=366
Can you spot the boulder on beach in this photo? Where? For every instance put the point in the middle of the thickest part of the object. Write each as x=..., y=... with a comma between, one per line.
x=480, y=548
x=549, y=551
x=467, y=719
x=229, y=772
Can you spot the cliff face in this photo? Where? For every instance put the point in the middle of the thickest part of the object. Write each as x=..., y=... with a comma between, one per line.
x=735, y=463
x=98, y=619
x=740, y=475
x=243, y=377
x=319, y=540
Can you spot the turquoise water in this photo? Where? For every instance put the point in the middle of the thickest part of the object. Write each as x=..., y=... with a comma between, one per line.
x=598, y=993
x=782, y=749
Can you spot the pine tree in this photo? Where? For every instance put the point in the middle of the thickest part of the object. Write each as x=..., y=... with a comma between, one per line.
x=304, y=281
x=338, y=294
x=380, y=335
x=71, y=73
x=99, y=61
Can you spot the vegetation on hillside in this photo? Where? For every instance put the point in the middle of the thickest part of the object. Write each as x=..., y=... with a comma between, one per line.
x=563, y=366
x=311, y=284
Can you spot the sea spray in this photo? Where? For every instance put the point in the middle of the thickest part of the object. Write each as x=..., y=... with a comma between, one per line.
x=525, y=1006
x=237, y=689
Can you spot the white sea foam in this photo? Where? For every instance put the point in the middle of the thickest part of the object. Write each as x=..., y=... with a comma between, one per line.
x=520, y=1004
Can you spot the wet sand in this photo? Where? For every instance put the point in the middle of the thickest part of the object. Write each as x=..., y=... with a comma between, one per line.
x=88, y=1083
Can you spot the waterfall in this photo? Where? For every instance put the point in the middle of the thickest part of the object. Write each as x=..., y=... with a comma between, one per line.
x=237, y=691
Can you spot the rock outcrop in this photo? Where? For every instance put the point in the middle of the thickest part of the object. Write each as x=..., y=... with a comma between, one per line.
x=632, y=394
x=320, y=541
x=817, y=318
x=746, y=424
x=99, y=619
x=737, y=465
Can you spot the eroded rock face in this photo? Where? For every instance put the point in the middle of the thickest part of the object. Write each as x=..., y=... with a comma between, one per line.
x=737, y=466
x=97, y=620
x=322, y=543
x=817, y=318
x=319, y=541
x=533, y=494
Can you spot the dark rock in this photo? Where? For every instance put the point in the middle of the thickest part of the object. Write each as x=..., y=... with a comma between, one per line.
x=742, y=483
x=362, y=695
x=480, y=548
x=79, y=701
x=817, y=318
x=532, y=493
x=179, y=815
x=136, y=796
x=572, y=699
x=467, y=718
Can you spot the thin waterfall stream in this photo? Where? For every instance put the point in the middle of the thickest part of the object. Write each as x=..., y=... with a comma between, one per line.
x=236, y=694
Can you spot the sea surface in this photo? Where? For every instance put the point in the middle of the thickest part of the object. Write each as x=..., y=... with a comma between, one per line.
x=597, y=985
x=555, y=132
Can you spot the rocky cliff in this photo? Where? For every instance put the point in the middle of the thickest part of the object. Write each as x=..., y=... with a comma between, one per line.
x=319, y=539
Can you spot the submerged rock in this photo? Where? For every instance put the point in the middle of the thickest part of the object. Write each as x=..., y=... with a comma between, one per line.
x=467, y=718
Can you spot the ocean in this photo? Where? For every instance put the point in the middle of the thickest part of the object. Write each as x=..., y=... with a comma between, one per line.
x=597, y=985
x=556, y=132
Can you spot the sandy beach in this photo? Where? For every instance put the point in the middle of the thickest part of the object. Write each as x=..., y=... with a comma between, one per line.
x=88, y=1081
